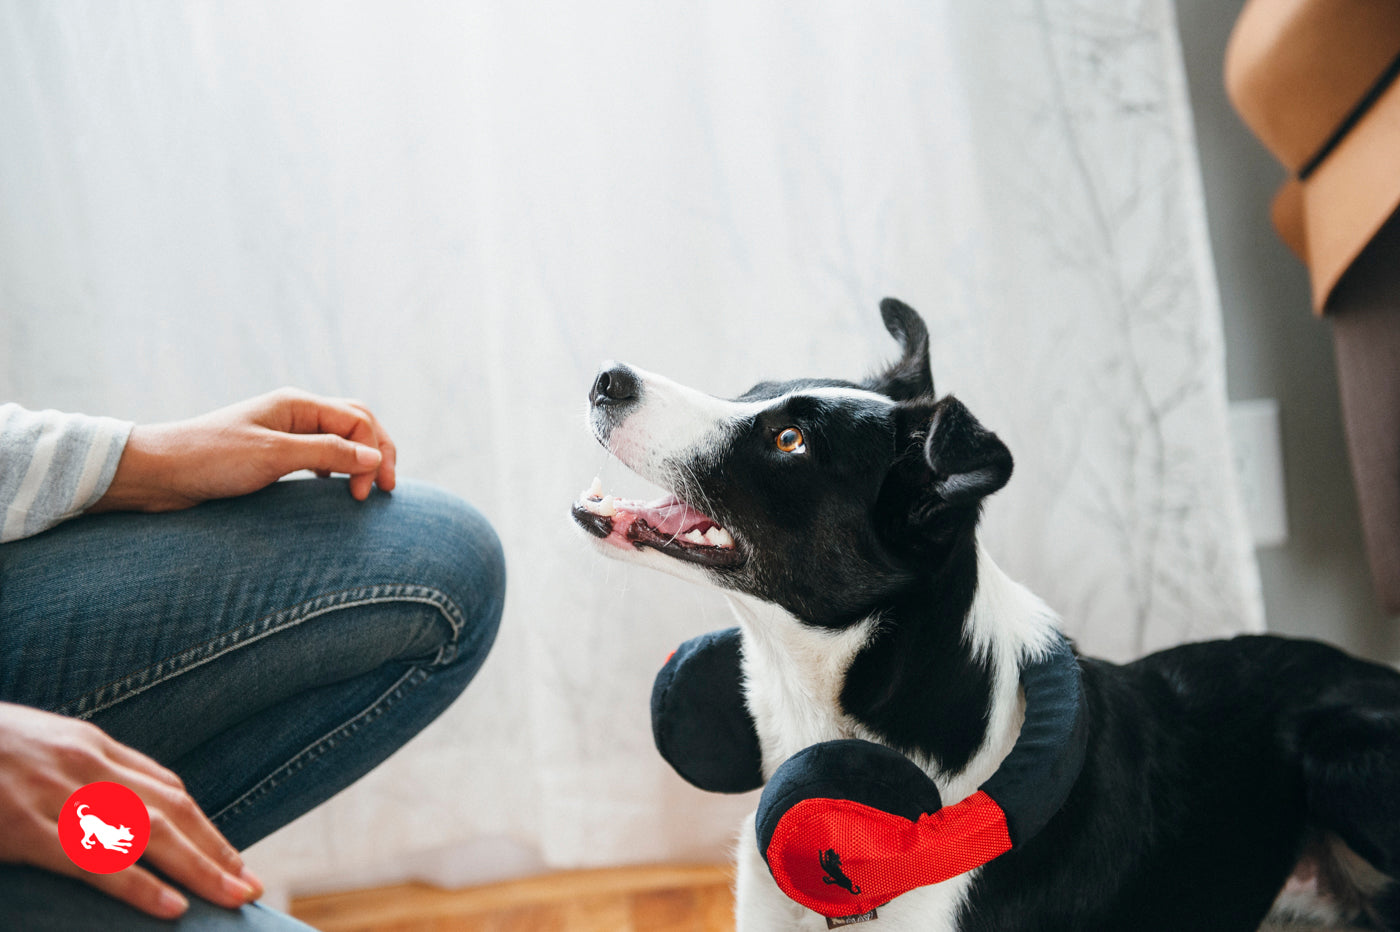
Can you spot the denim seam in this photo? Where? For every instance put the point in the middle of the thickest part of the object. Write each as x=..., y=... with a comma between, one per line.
x=106, y=696
x=413, y=677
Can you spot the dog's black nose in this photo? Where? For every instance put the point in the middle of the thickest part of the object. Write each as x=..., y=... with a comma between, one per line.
x=614, y=385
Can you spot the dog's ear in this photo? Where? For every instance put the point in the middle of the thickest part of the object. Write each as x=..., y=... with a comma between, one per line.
x=967, y=461
x=945, y=463
x=910, y=376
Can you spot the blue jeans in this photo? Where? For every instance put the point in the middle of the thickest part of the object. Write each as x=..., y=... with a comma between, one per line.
x=270, y=649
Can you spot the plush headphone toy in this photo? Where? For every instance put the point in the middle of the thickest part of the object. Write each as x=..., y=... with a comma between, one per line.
x=847, y=826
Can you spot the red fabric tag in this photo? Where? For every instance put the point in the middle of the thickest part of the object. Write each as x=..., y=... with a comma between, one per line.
x=840, y=923
x=841, y=858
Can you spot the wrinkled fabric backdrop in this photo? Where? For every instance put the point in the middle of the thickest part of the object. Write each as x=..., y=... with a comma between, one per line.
x=455, y=212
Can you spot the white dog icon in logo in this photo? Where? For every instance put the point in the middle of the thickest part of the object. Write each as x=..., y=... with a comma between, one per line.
x=113, y=838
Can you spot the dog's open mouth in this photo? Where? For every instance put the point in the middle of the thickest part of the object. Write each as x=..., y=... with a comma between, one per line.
x=667, y=524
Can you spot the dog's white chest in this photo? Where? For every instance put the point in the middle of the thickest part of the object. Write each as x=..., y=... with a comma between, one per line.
x=793, y=675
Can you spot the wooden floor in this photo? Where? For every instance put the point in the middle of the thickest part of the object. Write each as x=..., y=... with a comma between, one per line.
x=629, y=899
x=664, y=898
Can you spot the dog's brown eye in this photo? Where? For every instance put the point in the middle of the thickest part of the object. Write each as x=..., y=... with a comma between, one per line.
x=790, y=440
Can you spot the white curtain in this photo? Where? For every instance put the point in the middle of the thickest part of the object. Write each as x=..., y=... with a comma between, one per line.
x=456, y=211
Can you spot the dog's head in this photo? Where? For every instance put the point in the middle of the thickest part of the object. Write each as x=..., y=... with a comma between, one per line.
x=824, y=496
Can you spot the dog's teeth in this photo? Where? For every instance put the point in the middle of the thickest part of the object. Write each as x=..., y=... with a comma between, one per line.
x=695, y=537
x=605, y=507
x=718, y=537
x=595, y=490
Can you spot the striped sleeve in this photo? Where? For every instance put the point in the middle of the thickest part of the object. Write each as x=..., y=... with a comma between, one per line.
x=53, y=466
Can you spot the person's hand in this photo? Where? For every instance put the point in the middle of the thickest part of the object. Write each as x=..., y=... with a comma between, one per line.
x=246, y=446
x=45, y=757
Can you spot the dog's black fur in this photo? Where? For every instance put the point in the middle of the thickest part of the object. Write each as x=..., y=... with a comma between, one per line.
x=1211, y=768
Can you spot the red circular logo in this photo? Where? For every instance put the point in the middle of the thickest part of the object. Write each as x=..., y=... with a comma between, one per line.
x=104, y=827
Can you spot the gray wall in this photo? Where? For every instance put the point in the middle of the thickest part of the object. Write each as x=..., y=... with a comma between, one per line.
x=1316, y=585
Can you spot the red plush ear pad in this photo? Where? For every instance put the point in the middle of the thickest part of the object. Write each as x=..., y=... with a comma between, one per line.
x=842, y=841
x=842, y=858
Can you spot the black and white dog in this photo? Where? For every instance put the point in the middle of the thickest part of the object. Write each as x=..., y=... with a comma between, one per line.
x=1224, y=782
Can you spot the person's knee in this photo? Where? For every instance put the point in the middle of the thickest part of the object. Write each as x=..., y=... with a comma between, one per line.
x=479, y=574
x=457, y=553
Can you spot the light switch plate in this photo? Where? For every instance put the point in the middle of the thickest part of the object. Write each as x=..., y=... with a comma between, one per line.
x=1258, y=449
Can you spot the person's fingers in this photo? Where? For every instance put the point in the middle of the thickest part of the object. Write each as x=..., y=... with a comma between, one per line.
x=326, y=453
x=175, y=855
x=183, y=813
x=135, y=886
x=352, y=420
x=141, y=889
x=387, y=476
x=360, y=486
x=301, y=413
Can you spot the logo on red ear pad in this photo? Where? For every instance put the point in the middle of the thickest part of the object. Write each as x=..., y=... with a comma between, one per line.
x=831, y=872
x=847, y=826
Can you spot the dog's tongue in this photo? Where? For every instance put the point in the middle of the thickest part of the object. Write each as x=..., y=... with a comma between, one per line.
x=665, y=518
x=668, y=515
